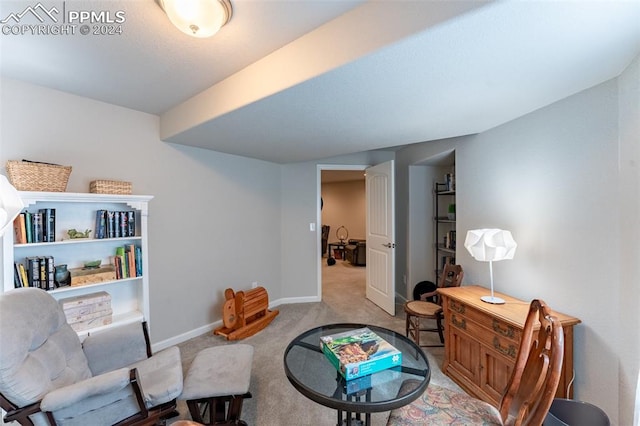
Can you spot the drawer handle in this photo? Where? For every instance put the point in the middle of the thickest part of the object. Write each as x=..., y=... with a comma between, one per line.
x=460, y=324
x=509, y=351
x=456, y=307
x=506, y=332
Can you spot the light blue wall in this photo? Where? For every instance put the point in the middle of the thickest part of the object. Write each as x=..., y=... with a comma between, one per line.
x=215, y=219
x=553, y=178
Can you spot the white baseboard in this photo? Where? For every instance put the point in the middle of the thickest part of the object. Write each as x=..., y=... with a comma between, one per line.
x=185, y=336
x=175, y=340
x=287, y=300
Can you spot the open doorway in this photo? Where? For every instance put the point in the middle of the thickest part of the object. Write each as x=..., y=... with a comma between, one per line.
x=343, y=253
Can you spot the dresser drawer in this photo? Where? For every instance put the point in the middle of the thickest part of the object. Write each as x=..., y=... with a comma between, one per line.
x=485, y=336
x=500, y=328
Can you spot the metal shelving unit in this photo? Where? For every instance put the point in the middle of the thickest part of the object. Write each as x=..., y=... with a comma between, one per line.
x=444, y=227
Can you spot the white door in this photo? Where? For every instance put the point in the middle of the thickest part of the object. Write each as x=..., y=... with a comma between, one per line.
x=381, y=236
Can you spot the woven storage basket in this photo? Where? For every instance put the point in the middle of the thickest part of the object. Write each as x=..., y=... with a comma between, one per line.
x=110, y=187
x=34, y=176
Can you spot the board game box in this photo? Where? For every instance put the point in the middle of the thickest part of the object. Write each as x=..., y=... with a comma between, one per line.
x=359, y=352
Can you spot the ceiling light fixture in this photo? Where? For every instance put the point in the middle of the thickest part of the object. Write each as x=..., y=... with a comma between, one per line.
x=197, y=18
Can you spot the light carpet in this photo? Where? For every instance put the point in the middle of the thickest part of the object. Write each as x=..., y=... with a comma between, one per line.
x=275, y=401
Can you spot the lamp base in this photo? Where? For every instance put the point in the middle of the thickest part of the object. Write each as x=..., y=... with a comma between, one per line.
x=492, y=299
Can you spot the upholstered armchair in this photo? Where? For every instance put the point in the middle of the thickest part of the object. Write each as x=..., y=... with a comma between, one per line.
x=48, y=377
x=356, y=252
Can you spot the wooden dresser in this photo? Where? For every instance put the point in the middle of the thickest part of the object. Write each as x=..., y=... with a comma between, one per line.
x=482, y=340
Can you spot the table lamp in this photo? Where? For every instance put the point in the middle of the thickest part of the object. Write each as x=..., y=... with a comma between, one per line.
x=10, y=204
x=488, y=245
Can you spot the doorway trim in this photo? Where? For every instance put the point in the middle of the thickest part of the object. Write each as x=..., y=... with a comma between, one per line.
x=319, y=169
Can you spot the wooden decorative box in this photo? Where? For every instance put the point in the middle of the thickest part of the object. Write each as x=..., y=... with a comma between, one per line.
x=83, y=276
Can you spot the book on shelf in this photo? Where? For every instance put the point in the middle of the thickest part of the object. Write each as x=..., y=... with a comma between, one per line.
x=111, y=231
x=28, y=226
x=17, y=276
x=116, y=225
x=131, y=224
x=101, y=224
x=42, y=264
x=138, y=257
x=124, y=227
x=33, y=271
x=359, y=352
x=50, y=272
x=23, y=275
x=38, y=227
x=130, y=251
x=48, y=224
x=121, y=263
x=19, y=229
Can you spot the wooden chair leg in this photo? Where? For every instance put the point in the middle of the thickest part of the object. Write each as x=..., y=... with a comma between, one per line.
x=223, y=410
x=440, y=328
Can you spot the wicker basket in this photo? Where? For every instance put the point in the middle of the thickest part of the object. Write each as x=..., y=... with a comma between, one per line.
x=110, y=187
x=34, y=176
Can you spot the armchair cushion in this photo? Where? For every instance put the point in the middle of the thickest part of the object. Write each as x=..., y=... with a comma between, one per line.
x=160, y=376
x=115, y=348
x=77, y=392
x=40, y=351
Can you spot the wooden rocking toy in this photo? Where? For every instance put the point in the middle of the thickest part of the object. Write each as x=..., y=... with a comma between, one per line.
x=244, y=314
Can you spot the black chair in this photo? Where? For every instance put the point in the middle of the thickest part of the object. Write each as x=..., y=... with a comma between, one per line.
x=325, y=238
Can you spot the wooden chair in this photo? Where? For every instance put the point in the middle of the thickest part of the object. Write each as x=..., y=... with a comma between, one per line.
x=417, y=310
x=529, y=392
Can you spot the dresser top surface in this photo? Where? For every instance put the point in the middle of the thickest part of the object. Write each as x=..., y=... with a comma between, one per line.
x=513, y=310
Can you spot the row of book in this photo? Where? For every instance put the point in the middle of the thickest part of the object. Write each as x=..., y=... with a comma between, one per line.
x=36, y=227
x=128, y=261
x=115, y=224
x=450, y=240
x=36, y=272
x=39, y=271
x=40, y=226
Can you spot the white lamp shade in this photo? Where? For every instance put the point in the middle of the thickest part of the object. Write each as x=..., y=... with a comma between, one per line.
x=488, y=245
x=197, y=18
x=10, y=204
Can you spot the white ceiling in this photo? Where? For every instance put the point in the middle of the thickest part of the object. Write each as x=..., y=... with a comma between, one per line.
x=298, y=80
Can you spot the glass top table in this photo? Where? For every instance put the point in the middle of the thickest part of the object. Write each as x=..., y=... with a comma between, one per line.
x=311, y=373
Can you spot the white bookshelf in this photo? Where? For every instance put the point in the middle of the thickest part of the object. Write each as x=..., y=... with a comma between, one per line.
x=129, y=296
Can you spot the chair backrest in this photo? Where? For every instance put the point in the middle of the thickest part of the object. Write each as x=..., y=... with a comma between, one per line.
x=325, y=232
x=451, y=276
x=39, y=350
x=535, y=377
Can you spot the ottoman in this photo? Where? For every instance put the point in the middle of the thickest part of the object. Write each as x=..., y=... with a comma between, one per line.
x=217, y=383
